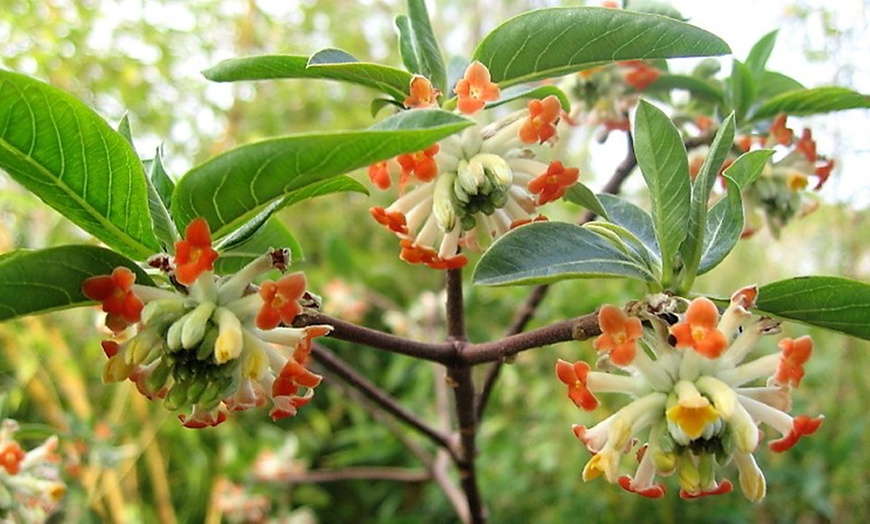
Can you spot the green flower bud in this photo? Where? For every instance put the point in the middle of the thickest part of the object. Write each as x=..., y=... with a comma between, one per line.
x=442, y=206
x=158, y=377
x=196, y=324
x=176, y=397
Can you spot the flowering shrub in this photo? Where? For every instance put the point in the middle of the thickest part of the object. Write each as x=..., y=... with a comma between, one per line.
x=201, y=323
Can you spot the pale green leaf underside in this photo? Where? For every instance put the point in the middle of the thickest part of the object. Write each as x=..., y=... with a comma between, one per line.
x=833, y=303
x=237, y=185
x=60, y=150
x=386, y=79
x=545, y=252
x=51, y=279
x=551, y=42
x=811, y=102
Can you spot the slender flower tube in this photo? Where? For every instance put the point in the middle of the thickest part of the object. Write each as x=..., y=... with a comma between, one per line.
x=218, y=345
x=693, y=406
x=474, y=186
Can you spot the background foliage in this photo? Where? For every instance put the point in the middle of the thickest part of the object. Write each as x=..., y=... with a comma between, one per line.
x=136, y=464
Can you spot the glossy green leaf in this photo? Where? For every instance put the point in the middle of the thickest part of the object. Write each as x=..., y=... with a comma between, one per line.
x=696, y=86
x=811, y=102
x=428, y=52
x=273, y=234
x=692, y=247
x=724, y=222
x=329, y=64
x=236, y=186
x=60, y=150
x=124, y=129
x=661, y=157
x=50, y=279
x=760, y=53
x=545, y=252
x=552, y=42
x=834, y=303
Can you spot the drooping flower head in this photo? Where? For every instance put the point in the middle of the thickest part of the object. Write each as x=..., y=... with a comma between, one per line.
x=694, y=404
x=476, y=185
x=218, y=346
x=30, y=481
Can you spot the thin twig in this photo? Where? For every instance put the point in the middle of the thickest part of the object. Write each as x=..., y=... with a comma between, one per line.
x=337, y=366
x=443, y=353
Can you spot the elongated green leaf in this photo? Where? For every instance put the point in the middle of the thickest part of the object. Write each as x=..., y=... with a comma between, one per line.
x=581, y=195
x=773, y=84
x=59, y=149
x=529, y=93
x=760, y=52
x=550, y=251
x=833, y=303
x=271, y=235
x=724, y=223
x=50, y=279
x=407, y=46
x=811, y=102
x=697, y=86
x=428, y=52
x=662, y=160
x=634, y=219
x=234, y=187
x=654, y=7
x=125, y=130
x=394, y=82
x=741, y=89
x=158, y=205
x=552, y=42
x=701, y=189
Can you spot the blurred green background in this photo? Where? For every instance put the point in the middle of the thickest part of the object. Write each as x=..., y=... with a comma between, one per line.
x=130, y=461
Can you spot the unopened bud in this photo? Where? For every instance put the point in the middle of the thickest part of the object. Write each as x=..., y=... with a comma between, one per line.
x=442, y=206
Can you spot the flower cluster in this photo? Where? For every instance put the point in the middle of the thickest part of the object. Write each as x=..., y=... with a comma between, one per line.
x=208, y=344
x=475, y=185
x=30, y=486
x=694, y=407
x=780, y=193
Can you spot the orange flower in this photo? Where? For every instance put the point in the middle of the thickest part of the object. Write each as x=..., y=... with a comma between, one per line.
x=823, y=171
x=540, y=125
x=795, y=353
x=194, y=255
x=379, y=174
x=475, y=89
x=801, y=425
x=423, y=94
x=121, y=305
x=553, y=184
x=619, y=333
x=574, y=376
x=420, y=164
x=640, y=75
x=416, y=254
x=11, y=456
x=656, y=491
x=720, y=489
x=807, y=146
x=781, y=135
x=394, y=221
x=280, y=300
x=699, y=330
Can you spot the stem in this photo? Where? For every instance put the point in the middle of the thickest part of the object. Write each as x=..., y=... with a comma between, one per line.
x=459, y=376
x=337, y=366
x=442, y=353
